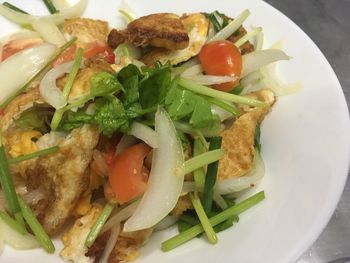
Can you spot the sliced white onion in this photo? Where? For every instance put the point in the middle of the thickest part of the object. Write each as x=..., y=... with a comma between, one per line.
x=257, y=59
x=49, y=31
x=61, y=4
x=16, y=240
x=237, y=184
x=20, y=67
x=188, y=187
x=166, y=222
x=21, y=34
x=125, y=142
x=273, y=80
x=2, y=241
x=210, y=79
x=48, y=89
x=58, y=18
x=193, y=70
x=1, y=48
x=112, y=240
x=120, y=216
x=145, y=133
x=232, y=27
x=165, y=179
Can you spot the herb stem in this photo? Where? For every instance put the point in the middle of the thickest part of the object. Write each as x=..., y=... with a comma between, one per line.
x=215, y=220
x=199, y=175
x=33, y=155
x=225, y=106
x=208, y=229
x=36, y=227
x=73, y=73
x=13, y=223
x=202, y=160
x=248, y=36
x=50, y=6
x=101, y=220
x=14, y=8
x=7, y=183
x=210, y=179
x=200, y=89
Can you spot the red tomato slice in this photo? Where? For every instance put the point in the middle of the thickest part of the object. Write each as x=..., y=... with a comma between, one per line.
x=66, y=56
x=97, y=47
x=221, y=58
x=90, y=51
x=16, y=45
x=127, y=175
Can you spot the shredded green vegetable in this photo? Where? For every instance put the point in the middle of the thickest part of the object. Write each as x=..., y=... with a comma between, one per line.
x=202, y=160
x=200, y=89
x=36, y=227
x=208, y=229
x=14, y=8
x=101, y=220
x=215, y=220
x=13, y=223
x=50, y=6
x=33, y=155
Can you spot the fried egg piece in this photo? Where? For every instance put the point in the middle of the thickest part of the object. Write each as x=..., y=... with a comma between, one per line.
x=197, y=26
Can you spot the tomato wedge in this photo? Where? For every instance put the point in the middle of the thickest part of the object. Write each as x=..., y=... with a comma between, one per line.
x=16, y=45
x=221, y=58
x=91, y=50
x=127, y=175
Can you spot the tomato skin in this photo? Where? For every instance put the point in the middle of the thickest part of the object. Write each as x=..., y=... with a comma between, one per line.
x=221, y=58
x=91, y=50
x=127, y=175
x=16, y=45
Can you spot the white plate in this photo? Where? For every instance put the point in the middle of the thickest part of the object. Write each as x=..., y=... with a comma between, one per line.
x=305, y=142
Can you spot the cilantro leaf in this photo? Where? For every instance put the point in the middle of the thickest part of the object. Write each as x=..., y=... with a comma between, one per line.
x=75, y=120
x=110, y=116
x=104, y=83
x=154, y=88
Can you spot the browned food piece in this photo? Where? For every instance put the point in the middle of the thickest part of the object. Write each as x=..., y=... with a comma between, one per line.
x=126, y=248
x=82, y=83
x=197, y=26
x=159, y=30
x=18, y=106
x=86, y=30
x=64, y=176
x=238, y=140
x=74, y=239
x=184, y=203
x=247, y=47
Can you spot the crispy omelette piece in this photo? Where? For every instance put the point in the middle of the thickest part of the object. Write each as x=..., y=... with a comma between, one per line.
x=74, y=239
x=82, y=83
x=64, y=176
x=238, y=140
x=126, y=248
x=197, y=26
x=159, y=30
x=86, y=30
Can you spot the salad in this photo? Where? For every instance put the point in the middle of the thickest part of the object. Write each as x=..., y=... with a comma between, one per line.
x=121, y=132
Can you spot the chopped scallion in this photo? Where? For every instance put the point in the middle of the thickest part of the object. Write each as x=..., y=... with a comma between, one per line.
x=50, y=6
x=202, y=160
x=200, y=89
x=210, y=179
x=34, y=155
x=13, y=223
x=96, y=228
x=14, y=8
x=208, y=229
x=215, y=220
x=36, y=227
